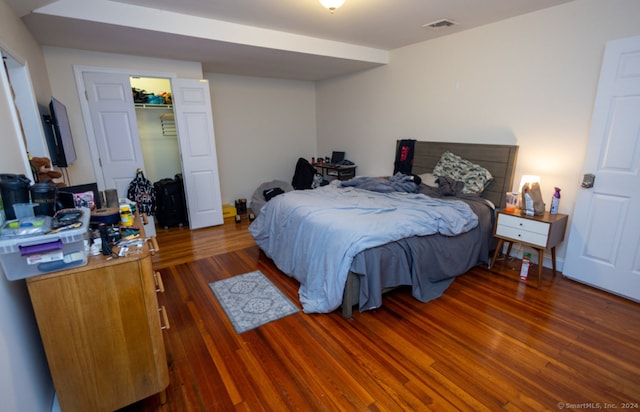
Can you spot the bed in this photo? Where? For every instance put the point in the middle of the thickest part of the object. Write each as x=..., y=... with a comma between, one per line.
x=348, y=244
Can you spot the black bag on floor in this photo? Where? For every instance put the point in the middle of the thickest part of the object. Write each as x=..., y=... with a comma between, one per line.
x=170, y=202
x=180, y=181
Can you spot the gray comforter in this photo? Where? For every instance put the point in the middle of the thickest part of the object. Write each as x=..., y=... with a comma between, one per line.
x=429, y=264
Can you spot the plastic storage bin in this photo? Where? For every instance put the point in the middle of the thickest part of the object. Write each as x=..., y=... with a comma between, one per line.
x=27, y=256
x=228, y=210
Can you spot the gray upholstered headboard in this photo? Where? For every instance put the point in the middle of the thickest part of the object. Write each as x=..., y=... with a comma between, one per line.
x=500, y=160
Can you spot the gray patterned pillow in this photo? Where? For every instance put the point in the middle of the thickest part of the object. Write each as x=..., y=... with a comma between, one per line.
x=475, y=177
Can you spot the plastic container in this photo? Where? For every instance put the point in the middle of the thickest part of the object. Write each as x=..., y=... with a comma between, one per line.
x=27, y=256
x=512, y=201
x=228, y=210
x=26, y=226
x=528, y=204
x=24, y=210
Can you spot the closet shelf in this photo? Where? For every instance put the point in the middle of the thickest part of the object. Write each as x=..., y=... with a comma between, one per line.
x=153, y=106
x=168, y=123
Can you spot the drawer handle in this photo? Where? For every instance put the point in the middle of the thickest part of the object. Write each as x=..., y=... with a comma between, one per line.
x=154, y=245
x=165, y=319
x=158, y=281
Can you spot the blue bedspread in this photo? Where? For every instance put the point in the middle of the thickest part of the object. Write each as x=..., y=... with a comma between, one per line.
x=313, y=235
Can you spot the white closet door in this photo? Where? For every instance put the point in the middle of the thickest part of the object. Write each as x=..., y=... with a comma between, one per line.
x=115, y=128
x=194, y=121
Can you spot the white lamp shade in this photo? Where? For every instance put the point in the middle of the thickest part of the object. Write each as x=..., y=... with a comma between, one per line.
x=528, y=179
x=332, y=4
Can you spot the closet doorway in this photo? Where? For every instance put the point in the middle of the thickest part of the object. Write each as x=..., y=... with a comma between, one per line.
x=156, y=127
x=110, y=119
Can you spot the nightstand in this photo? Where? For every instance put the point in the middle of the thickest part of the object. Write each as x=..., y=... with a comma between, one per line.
x=539, y=232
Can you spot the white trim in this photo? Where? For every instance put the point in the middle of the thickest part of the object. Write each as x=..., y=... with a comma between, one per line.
x=28, y=109
x=14, y=118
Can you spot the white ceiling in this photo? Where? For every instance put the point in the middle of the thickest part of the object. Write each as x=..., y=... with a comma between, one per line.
x=292, y=39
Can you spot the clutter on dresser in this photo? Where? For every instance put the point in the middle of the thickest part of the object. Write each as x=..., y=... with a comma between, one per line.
x=34, y=245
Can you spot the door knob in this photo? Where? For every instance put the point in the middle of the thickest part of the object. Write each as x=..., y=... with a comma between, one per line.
x=588, y=180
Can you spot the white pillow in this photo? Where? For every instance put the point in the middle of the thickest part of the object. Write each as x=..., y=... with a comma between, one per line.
x=429, y=179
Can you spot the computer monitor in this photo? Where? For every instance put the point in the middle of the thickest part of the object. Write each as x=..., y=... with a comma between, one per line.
x=337, y=157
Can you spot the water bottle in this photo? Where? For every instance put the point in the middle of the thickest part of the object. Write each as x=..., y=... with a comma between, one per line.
x=555, y=201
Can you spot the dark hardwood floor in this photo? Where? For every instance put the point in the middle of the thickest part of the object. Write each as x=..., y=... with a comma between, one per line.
x=488, y=343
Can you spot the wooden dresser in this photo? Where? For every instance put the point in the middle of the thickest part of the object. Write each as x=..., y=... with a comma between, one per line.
x=101, y=327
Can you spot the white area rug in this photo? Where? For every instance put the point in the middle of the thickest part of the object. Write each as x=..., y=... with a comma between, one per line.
x=251, y=300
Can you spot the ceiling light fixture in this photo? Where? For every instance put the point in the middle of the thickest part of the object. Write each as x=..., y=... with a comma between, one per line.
x=332, y=5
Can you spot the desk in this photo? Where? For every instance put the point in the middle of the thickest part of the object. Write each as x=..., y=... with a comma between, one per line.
x=340, y=172
x=539, y=232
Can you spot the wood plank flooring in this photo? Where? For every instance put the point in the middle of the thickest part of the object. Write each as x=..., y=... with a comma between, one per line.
x=489, y=343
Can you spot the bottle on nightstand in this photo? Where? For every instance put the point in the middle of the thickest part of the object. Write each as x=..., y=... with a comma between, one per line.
x=524, y=269
x=555, y=202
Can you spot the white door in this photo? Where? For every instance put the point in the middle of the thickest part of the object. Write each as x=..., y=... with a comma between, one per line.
x=192, y=105
x=115, y=128
x=604, y=241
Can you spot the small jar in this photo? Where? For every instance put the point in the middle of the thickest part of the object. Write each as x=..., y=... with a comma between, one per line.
x=126, y=217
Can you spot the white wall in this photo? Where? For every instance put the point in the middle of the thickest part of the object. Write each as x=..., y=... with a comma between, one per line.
x=60, y=62
x=262, y=127
x=529, y=81
x=25, y=382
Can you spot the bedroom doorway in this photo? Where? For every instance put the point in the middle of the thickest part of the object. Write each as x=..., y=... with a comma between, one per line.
x=604, y=241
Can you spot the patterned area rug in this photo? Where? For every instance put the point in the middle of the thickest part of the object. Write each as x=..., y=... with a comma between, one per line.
x=251, y=300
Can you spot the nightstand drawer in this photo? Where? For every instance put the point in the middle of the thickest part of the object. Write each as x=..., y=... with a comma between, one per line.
x=520, y=235
x=523, y=224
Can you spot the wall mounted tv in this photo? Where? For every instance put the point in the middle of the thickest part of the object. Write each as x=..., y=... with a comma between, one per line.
x=59, y=139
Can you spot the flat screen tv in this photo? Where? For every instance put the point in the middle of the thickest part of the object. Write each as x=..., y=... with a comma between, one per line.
x=60, y=140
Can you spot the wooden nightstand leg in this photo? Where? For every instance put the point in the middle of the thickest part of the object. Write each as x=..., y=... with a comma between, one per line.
x=496, y=253
x=540, y=260
x=509, y=249
x=553, y=260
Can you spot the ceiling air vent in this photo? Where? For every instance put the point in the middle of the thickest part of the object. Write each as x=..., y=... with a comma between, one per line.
x=439, y=24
